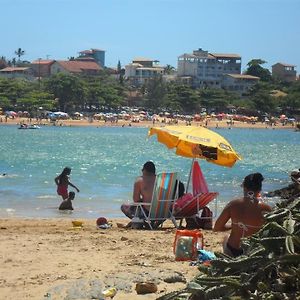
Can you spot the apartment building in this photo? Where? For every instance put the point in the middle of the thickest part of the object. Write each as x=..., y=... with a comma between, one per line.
x=284, y=72
x=142, y=70
x=238, y=83
x=207, y=69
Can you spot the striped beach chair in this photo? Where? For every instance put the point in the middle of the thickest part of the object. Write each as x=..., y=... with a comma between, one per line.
x=161, y=206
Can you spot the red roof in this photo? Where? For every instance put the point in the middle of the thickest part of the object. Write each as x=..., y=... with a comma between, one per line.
x=76, y=66
x=43, y=62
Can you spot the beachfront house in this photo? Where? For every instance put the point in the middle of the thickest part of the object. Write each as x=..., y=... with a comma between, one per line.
x=238, y=83
x=41, y=67
x=75, y=67
x=17, y=72
x=284, y=72
x=142, y=70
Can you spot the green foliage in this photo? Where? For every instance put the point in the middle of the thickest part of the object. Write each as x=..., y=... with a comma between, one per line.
x=255, y=69
x=154, y=92
x=69, y=89
x=69, y=93
x=20, y=53
x=268, y=269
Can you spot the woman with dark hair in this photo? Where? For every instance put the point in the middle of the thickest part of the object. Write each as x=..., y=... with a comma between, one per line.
x=62, y=181
x=246, y=215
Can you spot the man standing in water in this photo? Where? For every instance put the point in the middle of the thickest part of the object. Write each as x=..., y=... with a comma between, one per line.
x=142, y=189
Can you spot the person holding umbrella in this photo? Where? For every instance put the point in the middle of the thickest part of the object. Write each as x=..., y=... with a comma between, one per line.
x=246, y=215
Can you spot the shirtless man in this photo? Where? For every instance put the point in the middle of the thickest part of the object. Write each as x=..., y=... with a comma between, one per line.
x=142, y=189
x=246, y=215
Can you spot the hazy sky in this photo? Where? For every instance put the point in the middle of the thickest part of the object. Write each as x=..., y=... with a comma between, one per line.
x=156, y=29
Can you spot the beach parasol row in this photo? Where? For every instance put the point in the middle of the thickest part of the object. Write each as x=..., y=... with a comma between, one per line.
x=197, y=142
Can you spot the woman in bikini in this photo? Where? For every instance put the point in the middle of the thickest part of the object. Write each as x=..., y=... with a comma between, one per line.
x=246, y=215
x=62, y=181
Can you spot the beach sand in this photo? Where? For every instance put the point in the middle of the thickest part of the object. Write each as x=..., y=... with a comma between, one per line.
x=40, y=256
x=100, y=123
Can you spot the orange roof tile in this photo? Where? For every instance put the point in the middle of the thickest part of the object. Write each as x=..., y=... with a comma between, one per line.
x=43, y=62
x=75, y=66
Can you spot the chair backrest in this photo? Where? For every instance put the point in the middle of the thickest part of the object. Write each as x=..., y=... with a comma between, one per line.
x=163, y=194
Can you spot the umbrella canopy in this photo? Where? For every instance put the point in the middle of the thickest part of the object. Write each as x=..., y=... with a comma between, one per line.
x=197, y=142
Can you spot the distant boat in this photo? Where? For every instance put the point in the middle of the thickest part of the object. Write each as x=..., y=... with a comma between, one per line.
x=25, y=126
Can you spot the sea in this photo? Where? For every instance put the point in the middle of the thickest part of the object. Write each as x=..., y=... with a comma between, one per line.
x=105, y=162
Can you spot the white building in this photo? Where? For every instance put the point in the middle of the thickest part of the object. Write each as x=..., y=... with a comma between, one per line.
x=142, y=69
x=238, y=83
x=207, y=69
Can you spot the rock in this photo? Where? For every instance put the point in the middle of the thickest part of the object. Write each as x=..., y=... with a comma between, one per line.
x=145, y=288
x=177, y=277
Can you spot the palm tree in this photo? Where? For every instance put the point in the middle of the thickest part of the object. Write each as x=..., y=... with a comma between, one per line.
x=19, y=52
x=169, y=69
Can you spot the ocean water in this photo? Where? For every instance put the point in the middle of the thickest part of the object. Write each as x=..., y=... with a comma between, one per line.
x=106, y=160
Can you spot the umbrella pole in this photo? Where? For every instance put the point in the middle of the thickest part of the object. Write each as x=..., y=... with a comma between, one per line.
x=190, y=175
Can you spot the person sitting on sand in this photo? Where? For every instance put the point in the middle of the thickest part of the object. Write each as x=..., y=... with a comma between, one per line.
x=292, y=191
x=246, y=215
x=142, y=189
x=67, y=204
x=62, y=181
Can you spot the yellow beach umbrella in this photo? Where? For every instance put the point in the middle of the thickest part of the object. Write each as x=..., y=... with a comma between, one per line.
x=197, y=142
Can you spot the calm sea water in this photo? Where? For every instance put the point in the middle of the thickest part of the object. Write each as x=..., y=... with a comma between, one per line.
x=106, y=161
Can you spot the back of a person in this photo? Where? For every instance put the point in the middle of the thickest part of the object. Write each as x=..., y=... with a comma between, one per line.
x=247, y=218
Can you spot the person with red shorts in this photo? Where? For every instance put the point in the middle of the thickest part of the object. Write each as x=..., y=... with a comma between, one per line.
x=62, y=181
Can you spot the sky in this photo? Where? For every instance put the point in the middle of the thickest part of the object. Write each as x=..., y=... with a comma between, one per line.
x=157, y=29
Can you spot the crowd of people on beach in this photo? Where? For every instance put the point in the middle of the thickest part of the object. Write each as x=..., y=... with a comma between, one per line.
x=246, y=213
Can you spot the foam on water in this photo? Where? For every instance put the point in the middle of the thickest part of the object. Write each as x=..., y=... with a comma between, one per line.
x=106, y=161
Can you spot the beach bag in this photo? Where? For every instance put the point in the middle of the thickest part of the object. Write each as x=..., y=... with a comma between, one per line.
x=186, y=244
x=204, y=221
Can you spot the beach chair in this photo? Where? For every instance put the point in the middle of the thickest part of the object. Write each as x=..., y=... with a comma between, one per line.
x=201, y=197
x=161, y=206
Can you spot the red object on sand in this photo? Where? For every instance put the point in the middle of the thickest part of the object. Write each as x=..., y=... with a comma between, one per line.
x=101, y=221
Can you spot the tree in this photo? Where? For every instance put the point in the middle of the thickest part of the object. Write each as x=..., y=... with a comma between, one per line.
x=255, y=69
x=121, y=73
x=69, y=89
x=3, y=63
x=169, y=69
x=154, y=92
x=20, y=53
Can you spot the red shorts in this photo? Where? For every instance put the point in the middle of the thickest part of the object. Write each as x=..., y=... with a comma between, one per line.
x=62, y=190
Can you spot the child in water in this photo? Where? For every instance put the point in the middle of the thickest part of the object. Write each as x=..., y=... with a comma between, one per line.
x=67, y=204
x=62, y=181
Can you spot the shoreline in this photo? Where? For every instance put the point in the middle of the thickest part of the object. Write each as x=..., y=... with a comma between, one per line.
x=122, y=123
x=46, y=256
